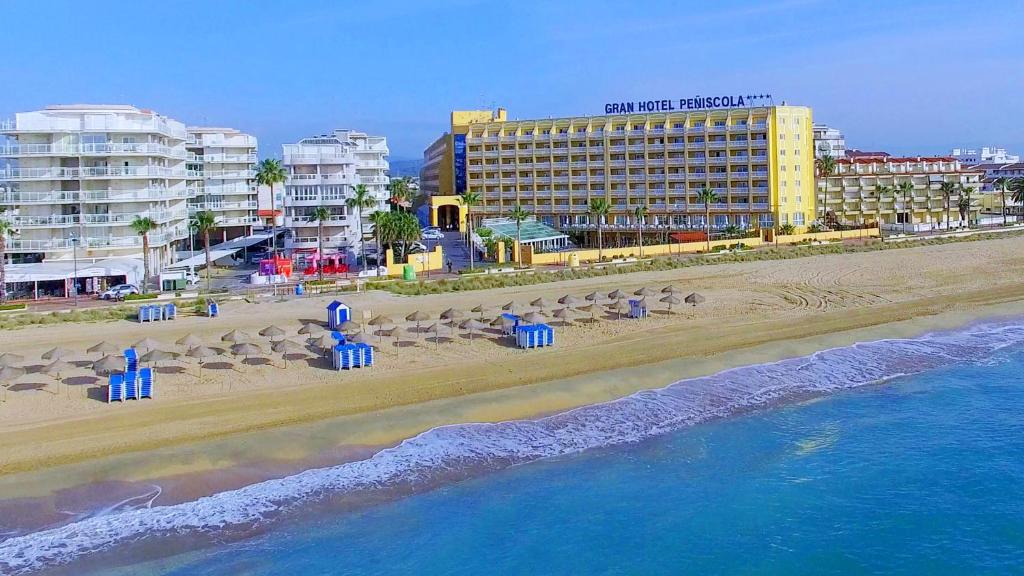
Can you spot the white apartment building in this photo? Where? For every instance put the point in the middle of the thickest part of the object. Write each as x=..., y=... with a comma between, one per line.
x=225, y=160
x=828, y=140
x=986, y=155
x=79, y=174
x=324, y=171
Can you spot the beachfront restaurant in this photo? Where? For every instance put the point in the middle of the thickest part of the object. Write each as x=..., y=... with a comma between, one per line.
x=536, y=234
x=60, y=279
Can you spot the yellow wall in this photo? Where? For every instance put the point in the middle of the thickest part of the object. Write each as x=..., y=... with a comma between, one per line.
x=433, y=260
x=438, y=201
x=795, y=123
x=825, y=236
x=461, y=119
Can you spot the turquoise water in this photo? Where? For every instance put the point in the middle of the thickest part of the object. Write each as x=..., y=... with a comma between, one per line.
x=924, y=475
x=804, y=466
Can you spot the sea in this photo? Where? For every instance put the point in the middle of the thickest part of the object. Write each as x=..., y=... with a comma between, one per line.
x=891, y=457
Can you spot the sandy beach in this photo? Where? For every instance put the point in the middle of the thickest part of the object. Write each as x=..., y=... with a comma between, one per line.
x=754, y=312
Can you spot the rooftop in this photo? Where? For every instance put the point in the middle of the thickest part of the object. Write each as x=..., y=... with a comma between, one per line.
x=530, y=230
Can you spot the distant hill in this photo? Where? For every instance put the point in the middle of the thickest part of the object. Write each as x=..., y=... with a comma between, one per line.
x=405, y=167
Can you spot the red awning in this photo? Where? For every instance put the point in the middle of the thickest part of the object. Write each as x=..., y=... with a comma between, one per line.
x=268, y=213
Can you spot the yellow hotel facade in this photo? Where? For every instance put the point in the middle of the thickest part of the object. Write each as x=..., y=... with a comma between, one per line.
x=759, y=160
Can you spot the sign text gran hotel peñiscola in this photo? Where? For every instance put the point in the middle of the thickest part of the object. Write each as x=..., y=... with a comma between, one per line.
x=695, y=103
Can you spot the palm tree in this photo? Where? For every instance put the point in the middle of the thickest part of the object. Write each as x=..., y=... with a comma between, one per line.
x=6, y=229
x=880, y=191
x=707, y=196
x=904, y=189
x=401, y=194
x=143, y=226
x=319, y=215
x=399, y=229
x=1017, y=190
x=964, y=203
x=640, y=213
x=269, y=172
x=360, y=200
x=202, y=223
x=378, y=218
x=1000, y=184
x=599, y=207
x=518, y=215
x=947, y=189
x=470, y=199
x=826, y=167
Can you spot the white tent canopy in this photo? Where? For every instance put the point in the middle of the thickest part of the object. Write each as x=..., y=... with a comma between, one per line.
x=219, y=251
x=130, y=268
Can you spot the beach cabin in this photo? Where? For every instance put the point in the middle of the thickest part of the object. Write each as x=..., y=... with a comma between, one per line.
x=337, y=314
x=535, y=336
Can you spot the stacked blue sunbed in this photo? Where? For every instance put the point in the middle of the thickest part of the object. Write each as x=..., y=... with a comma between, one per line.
x=535, y=336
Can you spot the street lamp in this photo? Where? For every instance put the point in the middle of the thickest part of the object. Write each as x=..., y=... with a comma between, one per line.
x=74, y=257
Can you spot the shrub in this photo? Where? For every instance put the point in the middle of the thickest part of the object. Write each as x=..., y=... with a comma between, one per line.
x=6, y=307
x=130, y=297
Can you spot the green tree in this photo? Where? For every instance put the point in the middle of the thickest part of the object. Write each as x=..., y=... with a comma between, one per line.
x=6, y=230
x=143, y=226
x=599, y=208
x=268, y=173
x=470, y=199
x=640, y=213
x=1001, y=184
x=320, y=215
x=378, y=219
x=518, y=215
x=906, y=189
x=401, y=193
x=947, y=189
x=879, y=194
x=1017, y=192
x=826, y=167
x=707, y=196
x=399, y=229
x=964, y=203
x=360, y=200
x=202, y=223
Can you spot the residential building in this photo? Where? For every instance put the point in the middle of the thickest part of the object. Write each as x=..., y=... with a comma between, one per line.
x=758, y=160
x=852, y=195
x=985, y=155
x=828, y=140
x=225, y=161
x=324, y=171
x=79, y=174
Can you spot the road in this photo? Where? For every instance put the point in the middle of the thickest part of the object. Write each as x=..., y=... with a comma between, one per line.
x=454, y=250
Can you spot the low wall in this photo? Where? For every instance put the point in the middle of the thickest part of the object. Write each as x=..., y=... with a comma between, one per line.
x=433, y=260
x=826, y=236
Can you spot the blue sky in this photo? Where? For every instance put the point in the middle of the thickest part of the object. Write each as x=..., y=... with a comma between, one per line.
x=904, y=76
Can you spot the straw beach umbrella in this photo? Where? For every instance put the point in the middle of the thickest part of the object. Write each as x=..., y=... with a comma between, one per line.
x=9, y=374
x=55, y=369
x=694, y=299
x=156, y=356
x=472, y=325
x=398, y=333
x=417, y=317
x=272, y=332
x=349, y=326
x=645, y=291
x=379, y=321
x=452, y=314
x=311, y=329
x=534, y=318
x=148, y=343
x=246, y=349
x=619, y=306
x=189, y=341
x=108, y=365
x=616, y=295
x=236, y=336
x=57, y=353
x=360, y=338
x=671, y=290
x=286, y=347
x=593, y=297
x=541, y=303
x=325, y=343
x=479, y=309
x=671, y=300
x=10, y=359
x=588, y=308
x=104, y=347
x=570, y=301
x=563, y=314
x=436, y=329
x=201, y=353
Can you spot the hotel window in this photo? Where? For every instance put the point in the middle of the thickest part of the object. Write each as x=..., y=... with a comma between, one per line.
x=782, y=152
x=796, y=167
x=782, y=136
x=782, y=200
x=798, y=218
x=721, y=220
x=799, y=200
x=797, y=183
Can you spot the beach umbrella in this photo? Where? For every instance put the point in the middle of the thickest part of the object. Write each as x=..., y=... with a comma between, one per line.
x=236, y=336
x=286, y=347
x=534, y=318
x=499, y=322
x=325, y=342
x=417, y=317
x=108, y=365
x=148, y=343
x=272, y=332
x=10, y=359
x=671, y=300
x=593, y=297
x=155, y=356
x=104, y=347
x=189, y=341
x=360, y=338
x=694, y=299
x=479, y=309
x=452, y=314
x=246, y=349
x=645, y=291
x=10, y=374
x=563, y=314
x=670, y=290
x=619, y=306
x=348, y=326
x=201, y=353
x=509, y=307
x=616, y=295
x=56, y=367
x=472, y=325
x=398, y=333
x=381, y=321
x=588, y=308
x=57, y=353
x=570, y=300
x=311, y=329
x=436, y=329
x=541, y=303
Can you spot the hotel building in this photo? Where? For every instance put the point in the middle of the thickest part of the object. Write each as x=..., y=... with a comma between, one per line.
x=79, y=174
x=324, y=171
x=224, y=159
x=829, y=141
x=759, y=161
x=852, y=194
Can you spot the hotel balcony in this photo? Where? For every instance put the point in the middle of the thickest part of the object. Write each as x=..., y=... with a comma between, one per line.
x=229, y=158
x=105, y=196
x=325, y=158
x=105, y=149
x=194, y=207
x=94, y=242
x=104, y=172
x=308, y=179
x=93, y=123
x=228, y=174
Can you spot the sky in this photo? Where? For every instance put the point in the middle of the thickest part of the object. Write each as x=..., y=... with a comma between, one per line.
x=905, y=76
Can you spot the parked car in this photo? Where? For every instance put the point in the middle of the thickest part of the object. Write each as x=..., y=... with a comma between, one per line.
x=432, y=234
x=416, y=248
x=119, y=291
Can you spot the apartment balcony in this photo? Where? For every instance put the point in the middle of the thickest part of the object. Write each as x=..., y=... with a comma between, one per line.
x=739, y=127
x=374, y=180
x=105, y=196
x=104, y=172
x=194, y=207
x=325, y=159
x=104, y=149
x=334, y=220
x=237, y=220
x=741, y=175
x=93, y=123
x=94, y=242
x=718, y=160
x=758, y=144
x=229, y=159
x=312, y=179
x=738, y=143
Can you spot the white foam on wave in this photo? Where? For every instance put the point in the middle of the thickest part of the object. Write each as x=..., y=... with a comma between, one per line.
x=432, y=453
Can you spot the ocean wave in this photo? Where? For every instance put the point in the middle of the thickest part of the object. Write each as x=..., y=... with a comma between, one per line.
x=432, y=454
